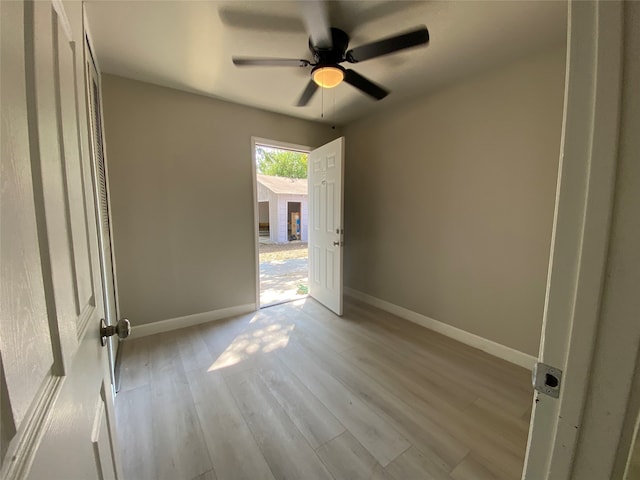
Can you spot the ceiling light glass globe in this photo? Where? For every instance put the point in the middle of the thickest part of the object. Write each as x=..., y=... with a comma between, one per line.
x=328, y=77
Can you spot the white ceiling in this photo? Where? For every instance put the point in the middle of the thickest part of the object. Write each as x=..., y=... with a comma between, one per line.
x=189, y=44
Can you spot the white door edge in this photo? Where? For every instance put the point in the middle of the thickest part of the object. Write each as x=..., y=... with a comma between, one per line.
x=584, y=201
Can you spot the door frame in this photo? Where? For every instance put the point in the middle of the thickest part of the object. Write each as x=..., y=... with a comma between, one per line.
x=582, y=221
x=255, y=141
x=113, y=343
x=89, y=55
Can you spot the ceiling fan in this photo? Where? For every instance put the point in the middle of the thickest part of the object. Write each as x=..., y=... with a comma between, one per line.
x=328, y=46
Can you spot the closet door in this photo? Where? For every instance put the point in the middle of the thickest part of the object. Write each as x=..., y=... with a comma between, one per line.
x=57, y=406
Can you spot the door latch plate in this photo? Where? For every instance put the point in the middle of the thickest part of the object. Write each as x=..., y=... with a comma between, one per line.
x=547, y=379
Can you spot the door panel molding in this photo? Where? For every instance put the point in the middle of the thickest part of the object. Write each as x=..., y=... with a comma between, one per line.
x=25, y=443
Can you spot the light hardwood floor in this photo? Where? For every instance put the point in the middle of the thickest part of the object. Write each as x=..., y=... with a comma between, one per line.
x=295, y=392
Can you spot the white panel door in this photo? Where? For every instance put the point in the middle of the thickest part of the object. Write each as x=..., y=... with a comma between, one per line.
x=60, y=411
x=326, y=169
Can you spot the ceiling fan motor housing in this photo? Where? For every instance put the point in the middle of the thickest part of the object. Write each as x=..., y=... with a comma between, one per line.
x=333, y=55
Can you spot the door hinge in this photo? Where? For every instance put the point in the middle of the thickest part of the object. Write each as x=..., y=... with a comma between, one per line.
x=546, y=379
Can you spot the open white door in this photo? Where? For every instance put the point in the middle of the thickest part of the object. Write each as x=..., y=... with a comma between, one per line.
x=581, y=232
x=104, y=207
x=57, y=405
x=326, y=169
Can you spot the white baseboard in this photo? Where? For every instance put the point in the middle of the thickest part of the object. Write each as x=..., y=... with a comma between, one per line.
x=493, y=348
x=189, y=320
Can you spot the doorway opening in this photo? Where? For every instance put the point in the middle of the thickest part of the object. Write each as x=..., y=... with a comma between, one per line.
x=281, y=214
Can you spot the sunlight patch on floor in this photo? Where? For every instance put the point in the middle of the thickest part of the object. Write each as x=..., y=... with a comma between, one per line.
x=266, y=340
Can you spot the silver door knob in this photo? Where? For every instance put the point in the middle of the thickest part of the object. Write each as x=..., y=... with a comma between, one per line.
x=122, y=329
x=336, y=244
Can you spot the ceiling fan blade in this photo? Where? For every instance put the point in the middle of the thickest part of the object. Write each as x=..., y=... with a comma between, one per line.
x=307, y=94
x=316, y=19
x=367, y=86
x=416, y=37
x=269, y=62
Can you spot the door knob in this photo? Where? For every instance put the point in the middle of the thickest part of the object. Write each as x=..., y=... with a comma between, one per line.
x=122, y=329
x=336, y=244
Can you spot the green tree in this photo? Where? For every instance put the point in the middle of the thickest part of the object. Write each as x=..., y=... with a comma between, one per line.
x=281, y=163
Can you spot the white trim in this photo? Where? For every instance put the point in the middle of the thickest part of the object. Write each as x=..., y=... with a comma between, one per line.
x=492, y=348
x=91, y=73
x=256, y=218
x=88, y=37
x=584, y=200
x=256, y=214
x=90, y=52
x=64, y=20
x=189, y=320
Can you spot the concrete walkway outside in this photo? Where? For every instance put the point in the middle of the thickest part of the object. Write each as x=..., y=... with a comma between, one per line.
x=282, y=275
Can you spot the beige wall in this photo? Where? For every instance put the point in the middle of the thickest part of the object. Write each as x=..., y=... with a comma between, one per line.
x=181, y=196
x=449, y=201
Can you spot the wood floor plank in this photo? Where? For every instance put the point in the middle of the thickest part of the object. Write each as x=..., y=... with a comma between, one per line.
x=412, y=335
x=210, y=475
x=220, y=335
x=180, y=452
x=316, y=326
x=466, y=369
x=233, y=449
x=134, y=371
x=377, y=435
x=455, y=354
x=435, y=388
x=193, y=350
x=294, y=388
x=310, y=416
x=236, y=345
x=514, y=431
x=414, y=464
x=379, y=473
x=471, y=469
x=434, y=384
x=283, y=446
x=347, y=459
x=411, y=416
x=164, y=357
x=134, y=426
x=465, y=426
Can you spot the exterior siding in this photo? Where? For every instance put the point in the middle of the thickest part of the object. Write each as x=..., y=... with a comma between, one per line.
x=278, y=213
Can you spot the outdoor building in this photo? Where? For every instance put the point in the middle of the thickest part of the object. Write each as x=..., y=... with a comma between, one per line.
x=282, y=212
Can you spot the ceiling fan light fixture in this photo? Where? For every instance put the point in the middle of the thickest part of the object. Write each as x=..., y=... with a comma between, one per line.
x=328, y=76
